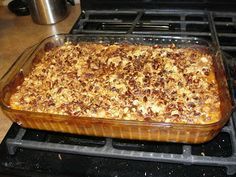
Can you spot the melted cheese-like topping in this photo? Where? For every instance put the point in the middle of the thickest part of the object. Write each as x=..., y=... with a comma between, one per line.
x=123, y=81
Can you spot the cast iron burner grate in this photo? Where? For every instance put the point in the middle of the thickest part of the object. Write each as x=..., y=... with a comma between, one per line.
x=219, y=152
x=218, y=27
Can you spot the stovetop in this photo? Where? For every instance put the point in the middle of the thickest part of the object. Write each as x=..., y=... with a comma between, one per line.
x=26, y=152
x=217, y=27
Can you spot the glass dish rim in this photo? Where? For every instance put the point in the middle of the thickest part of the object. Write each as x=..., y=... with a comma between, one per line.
x=107, y=120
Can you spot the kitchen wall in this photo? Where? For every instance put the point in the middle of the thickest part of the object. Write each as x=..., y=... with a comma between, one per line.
x=5, y=2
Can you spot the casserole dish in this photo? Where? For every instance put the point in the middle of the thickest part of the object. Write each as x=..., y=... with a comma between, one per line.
x=128, y=129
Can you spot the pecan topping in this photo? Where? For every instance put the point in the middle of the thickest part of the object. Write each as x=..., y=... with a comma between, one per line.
x=122, y=81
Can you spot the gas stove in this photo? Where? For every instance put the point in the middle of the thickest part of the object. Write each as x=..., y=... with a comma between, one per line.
x=26, y=152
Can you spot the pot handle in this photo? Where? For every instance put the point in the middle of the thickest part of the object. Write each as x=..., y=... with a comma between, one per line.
x=72, y=2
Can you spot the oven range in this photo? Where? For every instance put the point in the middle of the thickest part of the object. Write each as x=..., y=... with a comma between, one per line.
x=26, y=152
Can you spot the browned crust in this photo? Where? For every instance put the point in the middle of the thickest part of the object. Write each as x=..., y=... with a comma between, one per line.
x=123, y=81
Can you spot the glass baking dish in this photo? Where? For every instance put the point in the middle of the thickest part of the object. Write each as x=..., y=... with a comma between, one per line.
x=128, y=129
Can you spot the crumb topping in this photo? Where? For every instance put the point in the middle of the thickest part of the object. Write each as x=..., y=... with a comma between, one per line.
x=123, y=81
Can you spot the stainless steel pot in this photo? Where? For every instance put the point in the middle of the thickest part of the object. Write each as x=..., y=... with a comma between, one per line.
x=48, y=11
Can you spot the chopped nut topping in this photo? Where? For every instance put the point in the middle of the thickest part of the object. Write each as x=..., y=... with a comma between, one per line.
x=122, y=81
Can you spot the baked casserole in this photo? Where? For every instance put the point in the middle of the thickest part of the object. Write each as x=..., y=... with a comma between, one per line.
x=123, y=81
